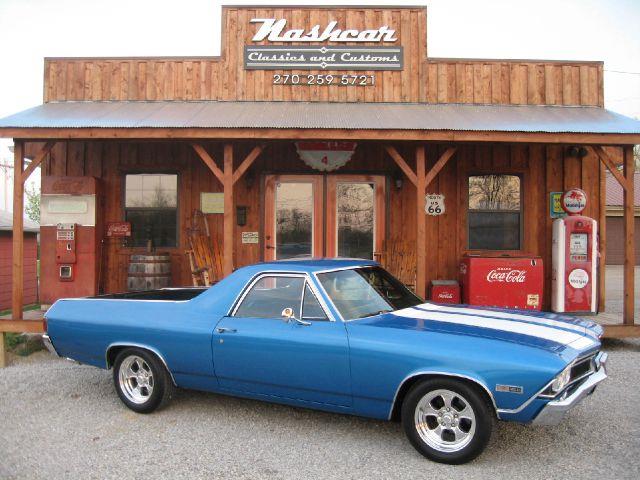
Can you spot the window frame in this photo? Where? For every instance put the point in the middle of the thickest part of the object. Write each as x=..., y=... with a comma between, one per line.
x=123, y=200
x=307, y=281
x=521, y=211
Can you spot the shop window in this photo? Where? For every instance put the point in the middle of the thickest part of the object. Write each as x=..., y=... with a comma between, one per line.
x=151, y=202
x=495, y=212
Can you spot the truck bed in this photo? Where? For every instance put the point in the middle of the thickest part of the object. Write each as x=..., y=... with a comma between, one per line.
x=163, y=294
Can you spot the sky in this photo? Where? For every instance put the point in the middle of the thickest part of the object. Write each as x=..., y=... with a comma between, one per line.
x=538, y=29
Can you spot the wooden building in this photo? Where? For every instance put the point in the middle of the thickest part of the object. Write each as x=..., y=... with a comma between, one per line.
x=30, y=259
x=355, y=77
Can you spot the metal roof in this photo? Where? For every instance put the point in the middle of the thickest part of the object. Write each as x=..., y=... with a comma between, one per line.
x=6, y=223
x=320, y=115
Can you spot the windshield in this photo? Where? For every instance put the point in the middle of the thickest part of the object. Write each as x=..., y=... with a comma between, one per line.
x=363, y=292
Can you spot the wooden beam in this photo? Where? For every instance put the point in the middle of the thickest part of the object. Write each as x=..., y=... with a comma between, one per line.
x=621, y=331
x=229, y=213
x=247, y=162
x=37, y=160
x=629, y=245
x=421, y=219
x=610, y=164
x=209, y=161
x=196, y=134
x=442, y=161
x=393, y=153
x=20, y=326
x=602, y=238
x=17, y=270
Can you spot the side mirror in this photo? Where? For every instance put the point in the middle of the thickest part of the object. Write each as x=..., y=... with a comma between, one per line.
x=287, y=315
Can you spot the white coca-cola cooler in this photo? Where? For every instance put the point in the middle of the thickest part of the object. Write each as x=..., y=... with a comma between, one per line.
x=508, y=282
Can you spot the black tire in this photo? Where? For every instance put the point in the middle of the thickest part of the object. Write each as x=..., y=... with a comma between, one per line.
x=477, y=436
x=159, y=389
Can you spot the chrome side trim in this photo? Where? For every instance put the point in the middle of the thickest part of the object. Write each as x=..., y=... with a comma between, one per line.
x=442, y=374
x=138, y=345
x=47, y=343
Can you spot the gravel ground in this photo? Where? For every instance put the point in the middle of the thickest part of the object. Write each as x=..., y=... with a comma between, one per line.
x=62, y=420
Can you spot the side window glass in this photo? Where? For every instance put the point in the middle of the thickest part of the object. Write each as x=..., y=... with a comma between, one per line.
x=270, y=295
x=311, y=309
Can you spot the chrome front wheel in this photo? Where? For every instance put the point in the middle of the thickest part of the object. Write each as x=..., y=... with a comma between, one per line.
x=447, y=420
x=136, y=379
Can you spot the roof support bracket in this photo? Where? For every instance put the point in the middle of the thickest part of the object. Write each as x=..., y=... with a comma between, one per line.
x=35, y=163
x=606, y=159
x=393, y=153
x=247, y=162
x=209, y=161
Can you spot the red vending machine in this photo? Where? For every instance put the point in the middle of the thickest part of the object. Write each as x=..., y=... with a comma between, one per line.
x=69, y=240
x=507, y=282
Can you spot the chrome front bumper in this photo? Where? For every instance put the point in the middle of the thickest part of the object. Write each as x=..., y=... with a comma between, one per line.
x=47, y=343
x=554, y=411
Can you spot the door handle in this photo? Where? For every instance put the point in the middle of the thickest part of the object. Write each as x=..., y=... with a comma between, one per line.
x=226, y=330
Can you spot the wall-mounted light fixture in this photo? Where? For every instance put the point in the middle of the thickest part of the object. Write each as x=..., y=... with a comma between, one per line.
x=398, y=180
x=249, y=179
x=577, y=152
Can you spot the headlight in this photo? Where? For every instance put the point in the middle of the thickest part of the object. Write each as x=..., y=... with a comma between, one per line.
x=561, y=380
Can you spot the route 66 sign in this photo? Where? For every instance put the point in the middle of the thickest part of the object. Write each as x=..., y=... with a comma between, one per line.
x=434, y=204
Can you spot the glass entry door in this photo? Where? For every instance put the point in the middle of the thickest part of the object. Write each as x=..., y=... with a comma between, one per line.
x=301, y=221
x=355, y=216
x=293, y=216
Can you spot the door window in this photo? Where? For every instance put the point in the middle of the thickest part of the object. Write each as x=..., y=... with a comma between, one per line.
x=311, y=308
x=270, y=295
x=355, y=212
x=294, y=220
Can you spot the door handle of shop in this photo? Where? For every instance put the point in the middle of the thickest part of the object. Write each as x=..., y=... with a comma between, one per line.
x=226, y=330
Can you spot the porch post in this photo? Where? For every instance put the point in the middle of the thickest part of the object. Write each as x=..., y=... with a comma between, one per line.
x=227, y=261
x=629, y=246
x=421, y=219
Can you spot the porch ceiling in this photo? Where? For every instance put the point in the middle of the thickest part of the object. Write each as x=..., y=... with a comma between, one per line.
x=139, y=119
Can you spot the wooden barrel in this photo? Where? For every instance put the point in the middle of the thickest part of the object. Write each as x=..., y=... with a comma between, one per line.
x=149, y=272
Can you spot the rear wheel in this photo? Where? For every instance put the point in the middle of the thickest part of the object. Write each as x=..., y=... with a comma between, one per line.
x=447, y=420
x=141, y=380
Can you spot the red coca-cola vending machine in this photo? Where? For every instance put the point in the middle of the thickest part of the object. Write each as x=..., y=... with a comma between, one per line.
x=507, y=282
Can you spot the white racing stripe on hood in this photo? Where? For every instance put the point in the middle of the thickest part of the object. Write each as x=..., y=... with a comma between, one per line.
x=509, y=316
x=540, y=331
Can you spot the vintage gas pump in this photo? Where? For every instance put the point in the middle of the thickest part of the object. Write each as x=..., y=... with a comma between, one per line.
x=68, y=238
x=574, y=257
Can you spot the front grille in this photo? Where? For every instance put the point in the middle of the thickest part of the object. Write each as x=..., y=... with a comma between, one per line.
x=582, y=368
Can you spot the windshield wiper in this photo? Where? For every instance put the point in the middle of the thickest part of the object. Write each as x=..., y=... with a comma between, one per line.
x=379, y=312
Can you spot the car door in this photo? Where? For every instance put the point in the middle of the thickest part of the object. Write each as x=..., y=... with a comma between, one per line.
x=258, y=351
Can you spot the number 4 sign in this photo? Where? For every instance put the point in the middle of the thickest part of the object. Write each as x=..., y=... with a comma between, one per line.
x=434, y=204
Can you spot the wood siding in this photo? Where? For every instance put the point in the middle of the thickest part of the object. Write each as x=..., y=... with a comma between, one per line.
x=422, y=80
x=542, y=168
x=30, y=283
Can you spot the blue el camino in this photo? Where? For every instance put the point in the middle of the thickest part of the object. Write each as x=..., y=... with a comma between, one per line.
x=343, y=336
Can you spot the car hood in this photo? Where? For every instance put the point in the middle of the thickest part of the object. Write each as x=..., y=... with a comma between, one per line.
x=547, y=331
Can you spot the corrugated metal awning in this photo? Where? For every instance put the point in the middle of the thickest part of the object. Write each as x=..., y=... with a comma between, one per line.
x=317, y=115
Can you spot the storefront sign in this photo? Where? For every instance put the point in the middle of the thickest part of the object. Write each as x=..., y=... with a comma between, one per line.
x=434, y=204
x=119, y=229
x=574, y=201
x=321, y=57
x=272, y=30
x=325, y=156
x=249, y=237
x=555, y=205
x=211, y=202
